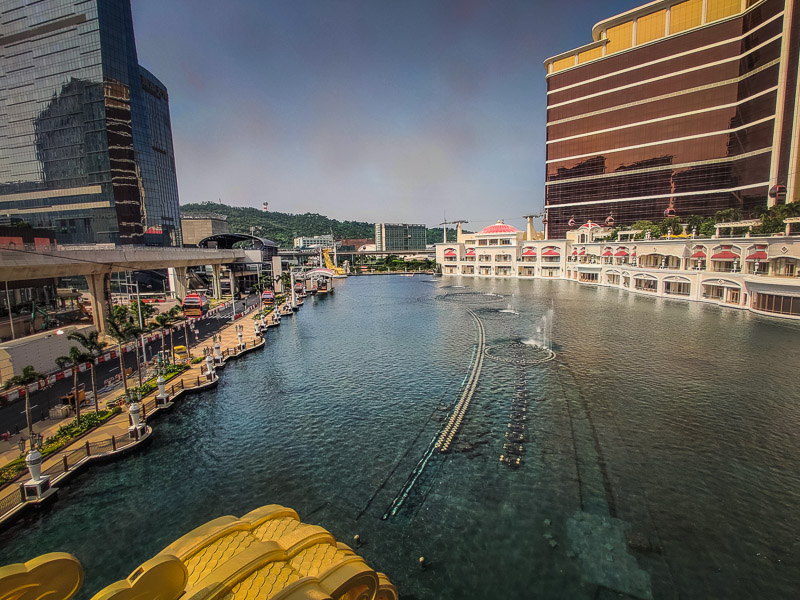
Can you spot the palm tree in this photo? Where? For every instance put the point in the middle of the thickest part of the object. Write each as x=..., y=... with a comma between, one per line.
x=94, y=347
x=163, y=321
x=74, y=359
x=27, y=377
x=121, y=329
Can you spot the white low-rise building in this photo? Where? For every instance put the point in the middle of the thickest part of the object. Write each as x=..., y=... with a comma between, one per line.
x=501, y=250
x=761, y=274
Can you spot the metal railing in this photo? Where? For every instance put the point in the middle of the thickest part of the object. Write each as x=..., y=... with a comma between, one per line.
x=76, y=456
x=10, y=502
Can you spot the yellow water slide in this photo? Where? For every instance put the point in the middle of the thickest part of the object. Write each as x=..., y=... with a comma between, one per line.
x=329, y=263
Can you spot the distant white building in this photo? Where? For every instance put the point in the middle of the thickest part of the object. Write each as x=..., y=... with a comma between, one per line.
x=501, y=250
x=315, y=242
x=757, y=273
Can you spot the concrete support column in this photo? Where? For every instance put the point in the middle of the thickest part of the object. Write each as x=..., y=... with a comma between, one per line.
x=216, y=285
x=176, y=276
x=234, y=283
x=99, y=297
x=276, y=270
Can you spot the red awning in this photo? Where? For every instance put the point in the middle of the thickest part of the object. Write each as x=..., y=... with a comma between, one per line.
x=574, y=252
x=470, y=252
x=725, y=255
x=758, y=255
x=621, y=253
x=529, y=252
x=449, y=253
x=607, y=253
x=551, y=252
x=634, y=253
x=583, y=251
x=699, y=254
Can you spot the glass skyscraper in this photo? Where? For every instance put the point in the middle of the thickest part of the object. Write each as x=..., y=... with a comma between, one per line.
x=678, y=107
x=85, y=135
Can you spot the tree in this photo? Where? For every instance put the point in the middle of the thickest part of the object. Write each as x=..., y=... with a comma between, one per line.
x=146, y=310
x=645, y=226
x=729, y=215
x=673, y=223
x=122, y=329
x=694, y=222
x=707, y=228
x=74, y=359
x=24, y=379
x=164, y=320
x=772, y=218
x=94, y=347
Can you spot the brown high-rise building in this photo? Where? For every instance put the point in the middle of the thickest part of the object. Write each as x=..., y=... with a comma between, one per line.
x=676, y=108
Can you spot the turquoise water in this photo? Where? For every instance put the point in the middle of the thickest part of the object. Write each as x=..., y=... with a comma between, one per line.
x=663, y=457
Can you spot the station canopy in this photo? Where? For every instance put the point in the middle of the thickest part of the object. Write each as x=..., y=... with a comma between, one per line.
x=226, y=241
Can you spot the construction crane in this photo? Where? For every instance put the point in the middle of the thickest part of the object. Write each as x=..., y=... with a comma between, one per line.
x=446, y=223
x=326, y=253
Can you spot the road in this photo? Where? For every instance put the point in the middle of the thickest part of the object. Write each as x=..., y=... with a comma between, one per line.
x=12, y=415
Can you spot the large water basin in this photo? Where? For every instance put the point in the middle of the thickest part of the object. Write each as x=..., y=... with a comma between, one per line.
x=661, y=459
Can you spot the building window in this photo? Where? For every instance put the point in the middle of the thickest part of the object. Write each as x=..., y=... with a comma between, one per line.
x=485, y=258
x=483, y=242
x=677, y=288
x=505, y=242
x=645, y=285
x=685, y=15
x=772, y=303
x=783, y=267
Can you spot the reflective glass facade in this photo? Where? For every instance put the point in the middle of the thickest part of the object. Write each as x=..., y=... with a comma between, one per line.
x=699, y=121
x=398, y=237
x=85, y=139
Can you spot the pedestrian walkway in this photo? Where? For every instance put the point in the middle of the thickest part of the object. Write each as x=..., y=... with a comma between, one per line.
x=112, y=435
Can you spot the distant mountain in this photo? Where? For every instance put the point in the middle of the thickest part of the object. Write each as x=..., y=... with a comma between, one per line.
x=280, y=227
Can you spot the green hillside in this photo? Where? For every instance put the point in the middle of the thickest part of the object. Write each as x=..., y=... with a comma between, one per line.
x=280, y=227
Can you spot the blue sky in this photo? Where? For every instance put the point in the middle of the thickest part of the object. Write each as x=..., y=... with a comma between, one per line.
x=374, y=110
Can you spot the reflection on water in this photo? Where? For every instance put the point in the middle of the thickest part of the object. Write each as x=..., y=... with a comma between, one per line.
x=661, y=459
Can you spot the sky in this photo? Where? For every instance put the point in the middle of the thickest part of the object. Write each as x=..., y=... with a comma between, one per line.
x=410, y=111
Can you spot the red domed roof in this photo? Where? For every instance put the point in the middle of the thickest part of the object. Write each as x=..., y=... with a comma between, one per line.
x=498, y=227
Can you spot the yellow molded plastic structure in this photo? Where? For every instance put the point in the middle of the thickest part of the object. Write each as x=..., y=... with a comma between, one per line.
x=54, y=576
x=268, y=553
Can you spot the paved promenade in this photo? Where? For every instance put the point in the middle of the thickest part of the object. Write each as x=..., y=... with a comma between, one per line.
x=113, y=434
